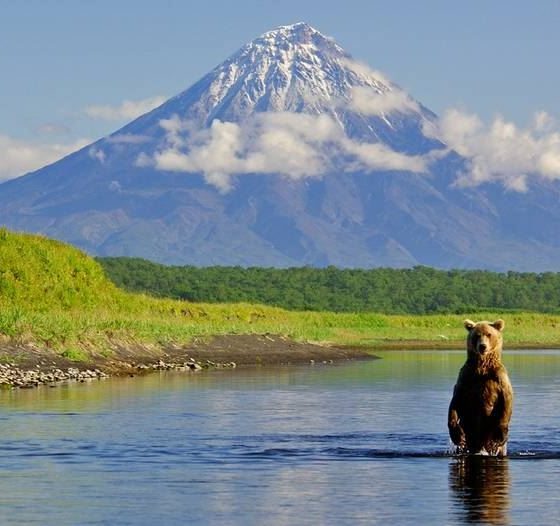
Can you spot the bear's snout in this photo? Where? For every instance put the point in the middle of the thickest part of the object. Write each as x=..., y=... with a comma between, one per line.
x=482, y=343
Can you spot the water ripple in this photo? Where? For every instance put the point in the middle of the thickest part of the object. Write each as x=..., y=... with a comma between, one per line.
x=231, y=450
x=350, y=453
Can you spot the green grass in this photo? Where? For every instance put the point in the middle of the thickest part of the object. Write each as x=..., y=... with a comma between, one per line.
x=56, y=296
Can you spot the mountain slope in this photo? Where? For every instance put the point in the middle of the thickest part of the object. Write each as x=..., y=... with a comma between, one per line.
x=288, y=153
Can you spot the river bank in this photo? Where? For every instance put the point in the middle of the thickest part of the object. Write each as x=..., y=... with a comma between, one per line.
x=26, y=365
x=61, y=318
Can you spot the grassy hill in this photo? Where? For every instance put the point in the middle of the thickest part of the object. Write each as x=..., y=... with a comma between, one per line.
x=56, y=296
x=41, y=274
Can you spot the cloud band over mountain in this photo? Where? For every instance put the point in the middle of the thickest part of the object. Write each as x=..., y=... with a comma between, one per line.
x=305, y=145
x=294, y=145
x=500, y=151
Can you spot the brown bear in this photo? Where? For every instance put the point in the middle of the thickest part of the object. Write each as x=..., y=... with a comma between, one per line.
x=481, y=407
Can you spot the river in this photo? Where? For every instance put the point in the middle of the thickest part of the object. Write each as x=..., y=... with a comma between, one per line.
x=356, y=443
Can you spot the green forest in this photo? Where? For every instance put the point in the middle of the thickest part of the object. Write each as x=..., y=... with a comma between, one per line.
x=418, y=290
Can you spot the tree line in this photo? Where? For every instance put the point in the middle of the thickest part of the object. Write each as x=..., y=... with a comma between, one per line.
x=417, y=290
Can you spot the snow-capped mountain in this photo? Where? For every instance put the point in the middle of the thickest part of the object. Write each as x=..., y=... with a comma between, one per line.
x=299, y=70
x=288, y=153
x=292, y=68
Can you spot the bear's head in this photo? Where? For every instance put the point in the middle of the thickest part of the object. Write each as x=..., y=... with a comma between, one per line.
x=484, y=340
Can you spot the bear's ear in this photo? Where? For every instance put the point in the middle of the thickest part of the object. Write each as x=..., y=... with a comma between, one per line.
x=499, y=325
x=469, y=324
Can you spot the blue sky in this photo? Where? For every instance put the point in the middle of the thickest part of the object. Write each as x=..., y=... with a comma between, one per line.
x=66, y=64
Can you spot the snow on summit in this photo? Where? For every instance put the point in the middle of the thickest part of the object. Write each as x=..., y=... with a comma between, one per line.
x=292, y=68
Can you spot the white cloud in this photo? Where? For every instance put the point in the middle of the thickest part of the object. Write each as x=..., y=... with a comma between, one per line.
x=228, y=149
x=127, y=110
x=543, y=122
x=376, y=156
x=115, y=186
x=127, y=138
x=294, y=145
x=303, y=145
x=19, y=157
x=366, y=73
x=500, y=151
x=144, y=161
x=371, y=102
x=98, y=154
x=52, y=128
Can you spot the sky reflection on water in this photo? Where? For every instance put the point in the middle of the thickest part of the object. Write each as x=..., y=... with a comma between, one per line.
x=364, y=442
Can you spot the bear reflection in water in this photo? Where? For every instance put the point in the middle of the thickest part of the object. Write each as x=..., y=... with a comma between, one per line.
x=480, y=488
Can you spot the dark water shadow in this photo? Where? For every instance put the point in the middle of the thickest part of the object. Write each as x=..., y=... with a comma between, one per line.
x=480, y=489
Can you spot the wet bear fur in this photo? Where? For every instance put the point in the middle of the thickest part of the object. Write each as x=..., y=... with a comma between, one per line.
x=482, y=402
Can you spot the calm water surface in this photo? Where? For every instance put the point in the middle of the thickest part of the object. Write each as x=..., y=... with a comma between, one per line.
x=360, y=443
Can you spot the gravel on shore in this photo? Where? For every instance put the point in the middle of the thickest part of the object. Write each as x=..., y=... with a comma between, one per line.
x=27, y=365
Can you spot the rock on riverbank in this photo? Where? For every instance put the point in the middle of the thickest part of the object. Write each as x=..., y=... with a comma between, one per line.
x=25, y=364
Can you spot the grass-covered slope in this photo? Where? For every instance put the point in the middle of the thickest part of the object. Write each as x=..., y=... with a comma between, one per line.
x=41, y=274
x=53, y=295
